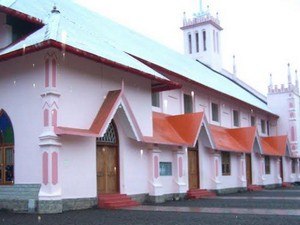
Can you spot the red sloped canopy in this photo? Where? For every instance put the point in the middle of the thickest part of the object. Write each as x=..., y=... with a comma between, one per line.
x=274, y=146
x=175, y=130
x=233, y=140
x=108, y=107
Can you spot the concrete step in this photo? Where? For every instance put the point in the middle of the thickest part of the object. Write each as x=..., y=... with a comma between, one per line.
x=115, y=201
x=254, y=188
x=199, y=193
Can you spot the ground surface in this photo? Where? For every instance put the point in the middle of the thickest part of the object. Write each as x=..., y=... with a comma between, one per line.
x=270, y=207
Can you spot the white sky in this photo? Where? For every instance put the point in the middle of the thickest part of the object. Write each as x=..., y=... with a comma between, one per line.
x=264, y=35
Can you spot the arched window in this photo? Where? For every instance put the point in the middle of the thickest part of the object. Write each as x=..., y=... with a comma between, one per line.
x=6, y=149
x=204, y=40
x=197, y=41
x=190, y=43
x=110, y=137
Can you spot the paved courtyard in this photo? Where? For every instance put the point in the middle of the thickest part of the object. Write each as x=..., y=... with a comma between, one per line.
x=279, y=206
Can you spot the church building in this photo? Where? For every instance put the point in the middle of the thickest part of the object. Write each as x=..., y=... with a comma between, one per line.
x=94, y=114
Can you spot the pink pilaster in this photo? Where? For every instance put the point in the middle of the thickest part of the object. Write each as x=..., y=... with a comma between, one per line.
x=45, y=168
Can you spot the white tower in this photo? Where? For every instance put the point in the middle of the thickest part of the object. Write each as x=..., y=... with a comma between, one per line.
x=202, y=38
x=285, y=102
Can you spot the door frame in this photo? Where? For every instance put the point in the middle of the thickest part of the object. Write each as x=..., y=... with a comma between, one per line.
x=250, y=166
x=116, y=145
x=198, y=165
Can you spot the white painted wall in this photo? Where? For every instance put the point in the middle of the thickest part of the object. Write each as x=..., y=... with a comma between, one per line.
x=21, y=84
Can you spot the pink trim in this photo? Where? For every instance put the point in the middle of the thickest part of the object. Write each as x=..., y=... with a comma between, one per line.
x=54, y=118
x=47, y=73
x=293, y=133
x=180, y=166
x=54, y=168
x=53, y=73
x=46, y=118
x=45, y=168
x=156, y=167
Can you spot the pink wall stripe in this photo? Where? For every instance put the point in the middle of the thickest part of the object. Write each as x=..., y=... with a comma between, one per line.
x=54, y=117
x=53, y=73
x=156, y=166
x=46, y=118
x=180, y=166
x=45, y=168
x=54, y=168
x=47, y=73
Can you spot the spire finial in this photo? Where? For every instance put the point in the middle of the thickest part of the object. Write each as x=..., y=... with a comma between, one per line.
x=233, y=65
x=271, y=80
x=54, y=9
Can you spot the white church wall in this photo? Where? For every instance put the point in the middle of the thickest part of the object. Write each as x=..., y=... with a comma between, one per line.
x=21, y=84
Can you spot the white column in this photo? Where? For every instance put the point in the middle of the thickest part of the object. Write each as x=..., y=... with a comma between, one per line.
x=180, y=160
x=217, y=170
x=242, y=169
x=262, y=169
x=155, y=183
x=278, y=177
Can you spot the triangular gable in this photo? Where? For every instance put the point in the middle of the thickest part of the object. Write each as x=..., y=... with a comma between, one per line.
x=233, y=140
x=274, y=146
x=182, y=130
x=114, y=101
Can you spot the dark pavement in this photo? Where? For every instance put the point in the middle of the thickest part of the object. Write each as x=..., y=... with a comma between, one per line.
x=242, y=208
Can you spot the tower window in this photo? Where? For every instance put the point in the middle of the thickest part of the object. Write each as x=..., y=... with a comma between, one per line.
x=217, y=42
x=155, y=99
x=197, y=41
x=294, y=163
x=188, y=103
x=268, y=127
x=204, y=40
x=214, y=37
x=190, y=43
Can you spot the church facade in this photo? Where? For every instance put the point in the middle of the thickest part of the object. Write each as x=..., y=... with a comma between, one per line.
x=92, y=110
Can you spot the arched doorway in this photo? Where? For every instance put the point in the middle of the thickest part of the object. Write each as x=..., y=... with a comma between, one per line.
x=108, y=161
x=6, y=149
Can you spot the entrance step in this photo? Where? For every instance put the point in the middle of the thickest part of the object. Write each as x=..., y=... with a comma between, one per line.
x=254, y=188
x=199, y=193
x=115, y=201
x=286, y=185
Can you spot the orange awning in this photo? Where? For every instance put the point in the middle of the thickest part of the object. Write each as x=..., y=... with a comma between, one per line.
x=175, y=130
x=274, y=146
x=233, y=140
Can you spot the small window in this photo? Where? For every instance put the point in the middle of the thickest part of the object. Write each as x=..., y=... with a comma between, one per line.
x=156, y=99
x=267, y=165
x=188, y=103
x=190, y=43
x=215, y=112
x=294, y=163
x=225, y=163
x=263, y=126
x=253, y=122
x=236, y=118
x=197, y=41
x=165, y=169
x=268, y=128
x=204, y=40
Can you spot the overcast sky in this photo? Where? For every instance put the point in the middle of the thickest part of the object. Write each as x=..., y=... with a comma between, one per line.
x=263, y=34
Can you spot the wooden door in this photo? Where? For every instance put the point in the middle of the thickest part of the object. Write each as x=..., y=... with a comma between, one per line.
x=248, y=169
x=107, y=169
x=193, y=169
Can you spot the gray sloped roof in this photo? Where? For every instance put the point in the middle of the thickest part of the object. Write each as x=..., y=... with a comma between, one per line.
x=91, y=32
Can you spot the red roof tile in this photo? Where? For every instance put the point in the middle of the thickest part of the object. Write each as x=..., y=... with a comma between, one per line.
x=234, y=140
x=175, y=130
x=274, y=146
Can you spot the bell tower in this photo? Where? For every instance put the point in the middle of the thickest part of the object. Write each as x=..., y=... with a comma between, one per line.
x=201, y=35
